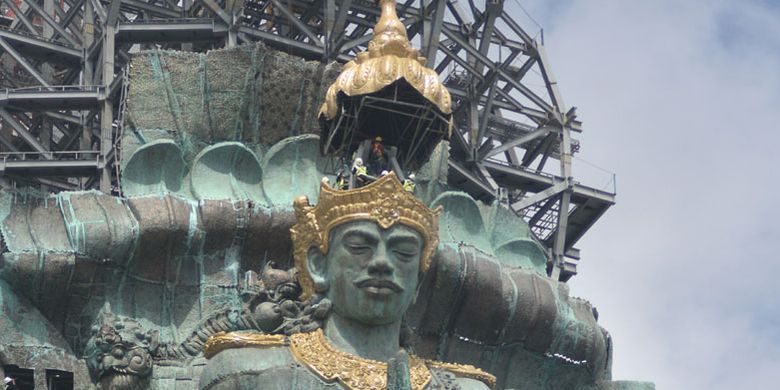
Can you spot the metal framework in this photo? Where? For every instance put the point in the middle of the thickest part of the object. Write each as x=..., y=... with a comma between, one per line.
x=63, y=69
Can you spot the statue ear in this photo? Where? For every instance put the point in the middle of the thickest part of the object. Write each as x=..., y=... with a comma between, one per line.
x=318, y=269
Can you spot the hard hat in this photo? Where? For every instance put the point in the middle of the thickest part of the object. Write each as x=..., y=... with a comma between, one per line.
x=358, y=161
x=378, y=139
x=411, y=176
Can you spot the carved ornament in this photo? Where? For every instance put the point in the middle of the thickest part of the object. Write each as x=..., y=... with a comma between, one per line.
x=353, y=372
x=222, y=341
x=465, y=370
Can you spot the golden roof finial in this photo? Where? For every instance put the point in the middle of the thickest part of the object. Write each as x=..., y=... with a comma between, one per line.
x=389, y=33
x=390, y=57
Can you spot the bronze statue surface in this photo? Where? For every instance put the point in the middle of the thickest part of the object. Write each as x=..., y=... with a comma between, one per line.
x=378, y=243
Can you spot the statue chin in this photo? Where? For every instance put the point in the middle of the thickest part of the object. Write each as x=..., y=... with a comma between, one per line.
x=368, y=310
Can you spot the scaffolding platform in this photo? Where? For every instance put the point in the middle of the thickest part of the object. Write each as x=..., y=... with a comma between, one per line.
x=68, y=97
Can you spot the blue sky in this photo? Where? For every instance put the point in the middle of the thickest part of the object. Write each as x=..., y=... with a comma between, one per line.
x=681, y=100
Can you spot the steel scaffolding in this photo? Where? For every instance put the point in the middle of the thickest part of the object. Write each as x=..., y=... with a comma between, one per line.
x=63, y=67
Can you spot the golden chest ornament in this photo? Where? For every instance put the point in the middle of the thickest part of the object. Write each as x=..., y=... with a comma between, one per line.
x=353, y=372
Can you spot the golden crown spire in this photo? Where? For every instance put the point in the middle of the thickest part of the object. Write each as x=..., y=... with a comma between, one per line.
x=383, y=201
x=390, y=57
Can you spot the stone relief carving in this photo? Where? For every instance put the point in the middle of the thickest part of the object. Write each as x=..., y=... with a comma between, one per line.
x=119, y=353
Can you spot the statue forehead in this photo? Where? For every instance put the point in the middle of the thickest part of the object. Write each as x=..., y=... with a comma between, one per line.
x=372, y=228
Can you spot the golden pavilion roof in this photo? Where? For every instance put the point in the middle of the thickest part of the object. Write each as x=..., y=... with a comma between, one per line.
x=390, y=57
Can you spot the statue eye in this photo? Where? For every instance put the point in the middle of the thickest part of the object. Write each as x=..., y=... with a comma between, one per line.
x=405, y=254
x=358, y=249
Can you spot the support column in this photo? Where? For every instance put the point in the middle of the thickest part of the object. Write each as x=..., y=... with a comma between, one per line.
x=232, y=32
x=185, y=6
x=47, y=72
x=87, y=78
x=559, y=246
x=107, y=113
x=39, y=377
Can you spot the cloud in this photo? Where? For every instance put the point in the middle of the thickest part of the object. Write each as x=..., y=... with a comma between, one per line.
x=680, y=99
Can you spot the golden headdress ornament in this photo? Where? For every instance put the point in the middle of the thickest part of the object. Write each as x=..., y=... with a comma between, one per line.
x=383, y=201
x=390, y=57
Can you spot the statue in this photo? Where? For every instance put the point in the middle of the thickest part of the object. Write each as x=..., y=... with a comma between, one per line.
x=185, y=257
x=363, y=252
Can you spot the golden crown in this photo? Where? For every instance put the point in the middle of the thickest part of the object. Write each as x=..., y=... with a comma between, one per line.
x=383, y=201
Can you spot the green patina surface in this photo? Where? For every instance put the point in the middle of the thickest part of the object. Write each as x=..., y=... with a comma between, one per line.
x=215, y=148
x=194, y=117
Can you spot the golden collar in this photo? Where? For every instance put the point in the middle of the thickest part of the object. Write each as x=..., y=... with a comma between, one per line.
x=353, y=372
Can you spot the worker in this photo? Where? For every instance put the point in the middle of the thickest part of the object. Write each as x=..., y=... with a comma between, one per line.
x=360, y=171
x=377, y=160
x=409, y=183
x=342, y=181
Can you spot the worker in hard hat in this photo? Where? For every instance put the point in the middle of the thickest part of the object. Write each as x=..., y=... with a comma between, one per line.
x=360, y=172
x=9, y=383
x=342, y=181
x=409, y=183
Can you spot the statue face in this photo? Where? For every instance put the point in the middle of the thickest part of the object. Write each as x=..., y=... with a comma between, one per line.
x=372, y=272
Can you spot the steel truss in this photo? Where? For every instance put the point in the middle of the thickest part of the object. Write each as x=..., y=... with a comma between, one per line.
x=64, y=67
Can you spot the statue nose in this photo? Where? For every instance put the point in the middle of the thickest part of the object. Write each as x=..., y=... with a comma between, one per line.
x=380, y=263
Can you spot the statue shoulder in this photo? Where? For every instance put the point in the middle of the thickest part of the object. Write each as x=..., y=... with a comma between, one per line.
x=241, y=354
x=467, y=376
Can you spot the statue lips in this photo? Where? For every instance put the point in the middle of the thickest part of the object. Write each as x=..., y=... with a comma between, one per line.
x=381, y=287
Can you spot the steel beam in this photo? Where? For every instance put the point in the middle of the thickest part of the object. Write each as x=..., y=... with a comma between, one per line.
x=487, y=111
x=43, y=49
x=23, y=61
x=7, y=143
x=99, y=10
x=22, y=131
x=559, y=245
x=337, y=30
x=48, y=167
x=217, y=10
x=550, y=83
x=540, y=132
x=297, y=23
x=152, y=9
x=21, y=16
x=50, y=20
x=540, y=196
x=432, y=29
x=112, y=15
x=153, y=31
x=473, y=180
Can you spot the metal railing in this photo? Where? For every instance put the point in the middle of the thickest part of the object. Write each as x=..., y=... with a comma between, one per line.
x=68, y=155
x=8, y=92
x=57, y=88
x=610, y=187
x=170, y=21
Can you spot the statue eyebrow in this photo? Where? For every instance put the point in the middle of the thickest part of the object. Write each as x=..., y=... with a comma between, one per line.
x=399, y=237
x=370, y=238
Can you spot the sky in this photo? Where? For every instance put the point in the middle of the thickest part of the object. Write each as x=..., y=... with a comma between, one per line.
x=681, y=99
